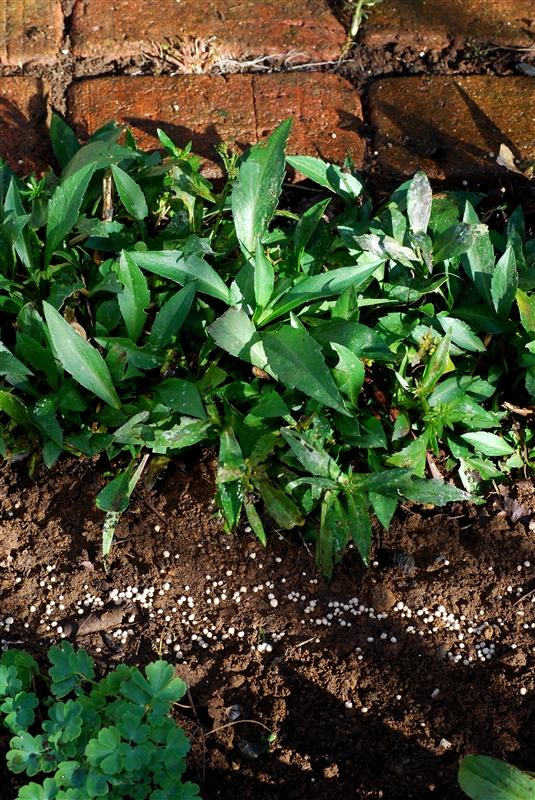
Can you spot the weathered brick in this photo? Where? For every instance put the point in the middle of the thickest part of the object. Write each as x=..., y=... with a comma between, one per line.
x=452, y=127
x=30, y=30
x=433, y=23
x=241, y=109
x=24, y=139
x=118, y=28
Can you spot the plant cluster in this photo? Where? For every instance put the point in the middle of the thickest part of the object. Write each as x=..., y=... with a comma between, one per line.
x=111, y=738
x=332, y=356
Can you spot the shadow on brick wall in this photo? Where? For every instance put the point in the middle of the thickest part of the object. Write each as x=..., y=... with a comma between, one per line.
x=24, y=137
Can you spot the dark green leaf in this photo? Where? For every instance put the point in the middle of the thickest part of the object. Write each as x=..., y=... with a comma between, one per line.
x=171, y=316
x=80, y=359
x=314, y=459
x=64, y=208
x=278, y=504
x=434, y=491
x=317, y=287
x=296, y=359
x=130, y=193
x=360, y=527
x=478, y=261
x=134, y=298
x=263, y=277
x=255, y=194
x=504, y=283
x=64, y=141
x=181, y=269
x=181, y=396
x=235, y=332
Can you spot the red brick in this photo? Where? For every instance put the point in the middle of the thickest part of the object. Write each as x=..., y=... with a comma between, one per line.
x=117, y=28
x=432, y=23
x=24, y=139
x=30, y=30
x=241, y=109
x=472, y=116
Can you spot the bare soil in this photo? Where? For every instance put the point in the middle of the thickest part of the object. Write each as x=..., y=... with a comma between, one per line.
x=349, y=687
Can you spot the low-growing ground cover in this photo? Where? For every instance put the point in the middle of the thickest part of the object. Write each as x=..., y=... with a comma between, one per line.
x=334, y=361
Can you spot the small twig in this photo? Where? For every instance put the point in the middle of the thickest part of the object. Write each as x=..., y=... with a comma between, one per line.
x=152, y=508
x=237, y=722
x=302, y=644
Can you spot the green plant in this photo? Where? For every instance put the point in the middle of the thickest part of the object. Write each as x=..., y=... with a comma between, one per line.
x=482, y=777
x=111, y=738
x=336, y=359
x=360, y=10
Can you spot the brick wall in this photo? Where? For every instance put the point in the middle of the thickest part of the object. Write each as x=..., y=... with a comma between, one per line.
x=96, y=60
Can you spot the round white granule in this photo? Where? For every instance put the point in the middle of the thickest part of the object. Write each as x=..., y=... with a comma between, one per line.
x=274, y=603
x=523, y=691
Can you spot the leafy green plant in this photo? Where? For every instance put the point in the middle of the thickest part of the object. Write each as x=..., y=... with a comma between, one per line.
x=483, y=777
x=337, y=359
x=111, y=738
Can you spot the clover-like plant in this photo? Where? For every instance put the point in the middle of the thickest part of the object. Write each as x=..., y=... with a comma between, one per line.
x=111, y=738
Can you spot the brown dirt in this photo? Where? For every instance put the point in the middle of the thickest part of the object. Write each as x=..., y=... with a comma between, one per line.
x=312, y=687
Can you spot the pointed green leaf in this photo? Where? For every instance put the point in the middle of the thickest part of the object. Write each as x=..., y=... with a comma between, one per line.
x=307, y=225
x=181, y=396
x=18, y=412
x=278, y=504
x=349, y=372
x=235, y=332
x=134, y=298
x=314, y=459
x=79, y=358
x=296, y=358
x=174, y=266
x=264, y=277
x=100, y=153
x=456, y=240
x=64, y=208
x=412, y=456
x=437, y=492
x=13, y=204
x=317, y=287
x=419, y=199
x=188, y=433
x=488, y=443
x=526, y=307
x=478, y=261
x=64, y=142
x=504, y=283
x=461, y=335
x=171, y=316
x=256, y=192
x=328, y=175
x=383, y=507
x=131, y=195
x=11, y=366
x=486, y=778
x=254, y=521
x=360, y=526
x=437, y=366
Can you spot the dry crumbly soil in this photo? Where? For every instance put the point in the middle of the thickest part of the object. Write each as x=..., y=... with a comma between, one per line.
x=367, y=696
